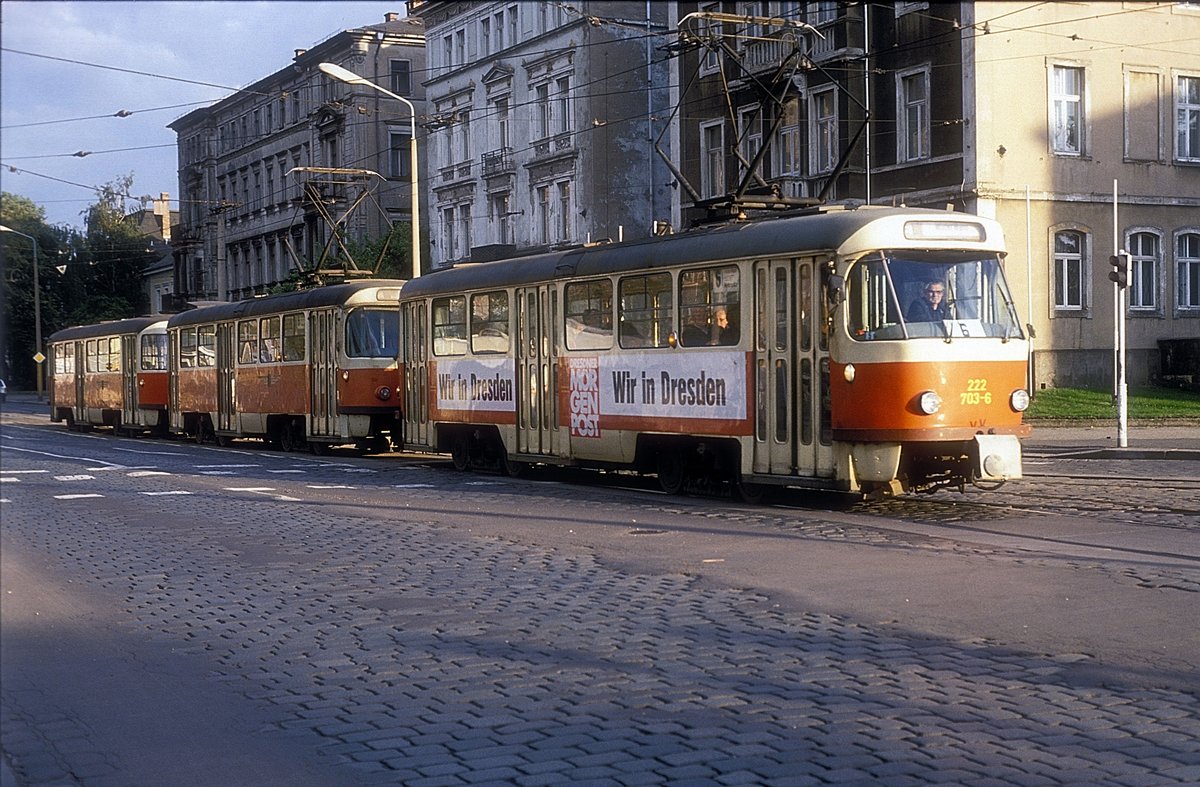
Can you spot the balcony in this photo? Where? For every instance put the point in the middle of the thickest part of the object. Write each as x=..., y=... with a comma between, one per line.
x=497, y=162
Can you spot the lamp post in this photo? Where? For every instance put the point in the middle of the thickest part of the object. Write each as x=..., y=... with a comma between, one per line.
x=37, y=309
x=351, y=78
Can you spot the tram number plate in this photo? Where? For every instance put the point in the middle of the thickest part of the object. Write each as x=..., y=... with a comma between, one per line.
x=976, y=393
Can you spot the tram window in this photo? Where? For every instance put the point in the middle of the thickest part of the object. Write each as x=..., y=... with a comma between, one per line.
x=293, y=337
x=804, y=292
x=247, y=341
x=154, y=353
x=207, y=345
x=646, y=310
x=489, y=322
x=269, y=349
x=114, y=354
x=373, y=333
x=589, y=315
x=89, y=356
x=187, y=348
x=710, y=306
x=450, y=325
x=781, y=309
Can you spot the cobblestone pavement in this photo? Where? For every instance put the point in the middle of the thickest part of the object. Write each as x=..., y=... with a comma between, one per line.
x=333, y=597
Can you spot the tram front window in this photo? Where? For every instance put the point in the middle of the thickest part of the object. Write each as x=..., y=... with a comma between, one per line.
x=373, y=333
x=912, y=295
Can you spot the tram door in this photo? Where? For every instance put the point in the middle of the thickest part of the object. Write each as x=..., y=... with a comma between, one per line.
x=129, y=387
x=537, y=369
x=80, y=371
x=416, y=383
x=322, y=367
x=789, y=356
x=226, y=377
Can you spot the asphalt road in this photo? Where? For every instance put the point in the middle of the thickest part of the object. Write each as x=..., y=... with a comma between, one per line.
x=178, y=614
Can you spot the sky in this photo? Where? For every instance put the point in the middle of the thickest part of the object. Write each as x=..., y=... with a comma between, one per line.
x=141, y=57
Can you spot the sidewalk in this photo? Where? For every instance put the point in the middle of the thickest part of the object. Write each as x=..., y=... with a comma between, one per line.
x=1176, y=439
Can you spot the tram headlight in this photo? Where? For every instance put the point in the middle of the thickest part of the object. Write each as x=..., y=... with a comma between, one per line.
x=848, y=372
x=1019, y=400
x=930, y=402
x=383, y=393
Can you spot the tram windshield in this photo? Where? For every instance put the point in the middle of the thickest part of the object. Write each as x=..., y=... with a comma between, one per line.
x=916, y=295
x=373, y=333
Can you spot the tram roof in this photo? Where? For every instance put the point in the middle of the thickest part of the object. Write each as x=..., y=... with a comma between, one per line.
x=111, y=328
x=770, y=236
x=330, y=295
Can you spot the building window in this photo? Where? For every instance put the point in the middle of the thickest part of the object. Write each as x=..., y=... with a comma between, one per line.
x=541, y=111
x=823, y=11
x=712, y=158
x=824, y=131
x=400, y=72
x=499, y=29
x=564, y=211
x=912, y=115
x=543, y=214
x=514, y=31
x=750, y=124
x=460, y=47
x=710, y=61
x=399, y=155
x=1187, y=113
x=465, y=240
x=1143, y=270
x=463, y=129
x=1187, y=257
x=1067, y=108
x=785, y=151
x=499, y=215
x=1069, y=255
x=448, y=248
x=562, y=105
x=500, y=113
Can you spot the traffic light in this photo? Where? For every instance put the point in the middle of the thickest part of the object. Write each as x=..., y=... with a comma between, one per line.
x=1120, y=272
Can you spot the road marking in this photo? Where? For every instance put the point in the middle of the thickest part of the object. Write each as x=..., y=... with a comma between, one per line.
x=161, y=494
x=143, y=473
x=217, y=472
x=26, y=472
x=74, y=478
x=330, y=486
x=112, y=465
x=359, y=470
x=287, y=471
x=75, y=497
x=262, y=490
x=202, y=467
x=412, y=486
x=7, y=480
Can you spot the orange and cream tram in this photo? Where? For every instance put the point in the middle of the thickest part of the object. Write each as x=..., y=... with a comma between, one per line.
x=110, y=374
x=783, y=351
x=308, y=369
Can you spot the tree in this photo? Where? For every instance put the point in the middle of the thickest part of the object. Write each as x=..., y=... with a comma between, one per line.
x=17, y=330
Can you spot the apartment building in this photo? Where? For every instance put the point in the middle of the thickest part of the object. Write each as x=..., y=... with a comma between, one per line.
x=266, y=173
x=1026, y=112
x=544, y=119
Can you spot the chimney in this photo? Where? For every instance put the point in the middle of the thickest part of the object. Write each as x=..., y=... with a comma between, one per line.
x=391, y=16
x=299, y=54
x=162, y=207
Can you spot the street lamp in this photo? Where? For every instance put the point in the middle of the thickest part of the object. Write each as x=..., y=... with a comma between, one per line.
x=37, y=309
x=351, y=78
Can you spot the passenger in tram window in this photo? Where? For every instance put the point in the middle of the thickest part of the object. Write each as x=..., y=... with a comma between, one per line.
x=931, y=307
x=726, y=333
x=696, y=332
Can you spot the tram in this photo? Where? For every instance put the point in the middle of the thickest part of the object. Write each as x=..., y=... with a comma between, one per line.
x=302, y=370
x=783, y=351
x=110, y=374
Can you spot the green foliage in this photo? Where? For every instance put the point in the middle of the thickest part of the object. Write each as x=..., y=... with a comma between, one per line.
x=389, y=257
x=1082, y=404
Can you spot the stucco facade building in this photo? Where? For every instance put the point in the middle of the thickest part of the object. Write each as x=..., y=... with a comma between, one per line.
x=256, y=194
x=544, y=119
x=1024, y=112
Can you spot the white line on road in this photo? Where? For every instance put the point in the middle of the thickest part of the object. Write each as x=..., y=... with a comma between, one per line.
x=161, y=494
x=75, y=497
x=143, y=473
x=74, y=478
x=26, y=472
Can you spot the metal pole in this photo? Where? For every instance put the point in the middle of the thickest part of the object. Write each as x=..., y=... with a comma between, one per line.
x=1122, y=388
x=38, y=358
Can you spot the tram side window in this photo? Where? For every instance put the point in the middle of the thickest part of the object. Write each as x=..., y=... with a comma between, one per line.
x=710, y=306
x=154, y=352
x=247, y=341
x=269, y=346
x=114, y=353
x=373, y=333
x=293, y=337
x=873, y=311
x=589, y=315
x=206, y=348
x=89, y=355
x=64, y=358
x=489, y=322
x=187, y=348
x=645, y=310
x=450, y=325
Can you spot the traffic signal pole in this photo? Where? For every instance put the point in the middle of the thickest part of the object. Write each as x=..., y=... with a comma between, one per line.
x=1120, y=279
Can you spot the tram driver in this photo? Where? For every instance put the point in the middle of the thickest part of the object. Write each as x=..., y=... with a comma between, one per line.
x=931, y=307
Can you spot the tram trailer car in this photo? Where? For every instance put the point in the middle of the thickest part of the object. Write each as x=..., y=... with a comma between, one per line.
x=308, y=369
x=110, y=374
x=784, y=351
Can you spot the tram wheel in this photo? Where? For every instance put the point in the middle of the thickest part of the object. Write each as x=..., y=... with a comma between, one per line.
x=317, y=448
x=671, y=472
x=460, y=452
x=748, y=492
x=513, y=468
x=288, y=438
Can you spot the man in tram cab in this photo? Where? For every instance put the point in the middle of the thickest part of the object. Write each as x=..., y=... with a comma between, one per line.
x=696, y=331
x=931, y=307
x=724, y=332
